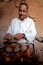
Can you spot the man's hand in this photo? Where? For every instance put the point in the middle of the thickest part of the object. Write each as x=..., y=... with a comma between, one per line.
x=8, y=36
x=19, y=36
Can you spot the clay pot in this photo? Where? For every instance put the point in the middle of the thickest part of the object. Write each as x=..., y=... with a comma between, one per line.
x=27, y=55
x=27, y=52
x=7, y=59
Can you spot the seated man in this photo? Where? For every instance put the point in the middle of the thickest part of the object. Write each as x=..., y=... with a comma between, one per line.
x=22, y=28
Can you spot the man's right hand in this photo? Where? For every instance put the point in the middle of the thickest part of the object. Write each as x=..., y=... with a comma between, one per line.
x=8, y=36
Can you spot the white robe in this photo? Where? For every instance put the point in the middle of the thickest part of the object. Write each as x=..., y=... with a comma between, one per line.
x=26, y=27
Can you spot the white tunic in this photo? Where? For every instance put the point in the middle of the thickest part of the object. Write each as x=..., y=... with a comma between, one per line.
x=26, y=27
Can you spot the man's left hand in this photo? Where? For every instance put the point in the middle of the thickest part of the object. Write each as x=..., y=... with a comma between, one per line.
x=19, y=36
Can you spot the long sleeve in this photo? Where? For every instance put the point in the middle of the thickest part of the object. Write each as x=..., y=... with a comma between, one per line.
x=14, y=27
x=11, y=27
x=31, y=32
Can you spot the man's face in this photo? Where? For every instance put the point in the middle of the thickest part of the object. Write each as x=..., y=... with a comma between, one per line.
x=23, y=12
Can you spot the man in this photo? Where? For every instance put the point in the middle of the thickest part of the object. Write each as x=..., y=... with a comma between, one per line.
x=22, y=28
